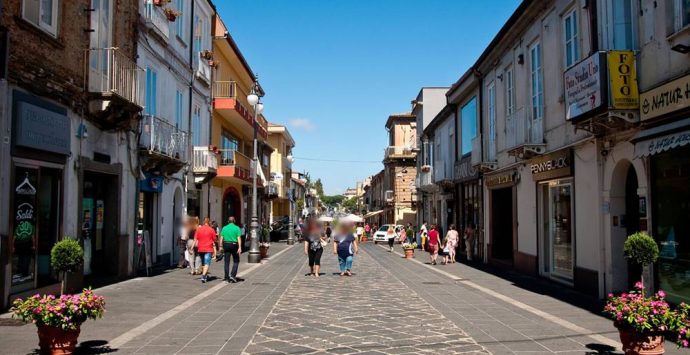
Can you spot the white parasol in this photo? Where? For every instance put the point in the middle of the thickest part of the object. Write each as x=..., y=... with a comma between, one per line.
x=325, y=219
x=352, y=219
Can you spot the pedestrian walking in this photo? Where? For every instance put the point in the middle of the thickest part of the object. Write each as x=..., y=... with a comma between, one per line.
x=206, y=239
x=182, y=239
x=402, y=235
x=367, y=230
x=345, y=247
x=390, y=235
x=313, y=248
x=424, y=234
x=329, y=232
x=231, y=236
x=468, y=236
x=194, y=258
x=411, y=237
x=452, y=238
x=360, y=232
x=433, y=244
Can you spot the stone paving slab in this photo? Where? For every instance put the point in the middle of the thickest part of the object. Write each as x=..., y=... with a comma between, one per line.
x=502, y=327
x=369, y=313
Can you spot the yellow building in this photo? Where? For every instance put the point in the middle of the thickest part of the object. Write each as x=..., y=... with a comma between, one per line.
x=232, y=132
x=281, y=170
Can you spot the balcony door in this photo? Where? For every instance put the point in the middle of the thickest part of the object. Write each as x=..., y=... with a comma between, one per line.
x=100, y=59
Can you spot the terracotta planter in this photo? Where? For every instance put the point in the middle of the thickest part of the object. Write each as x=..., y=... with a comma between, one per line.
x=159, y=2
x=171, y=17
x=634, y=342
x=55, y=341
x=364, y=239
x=264, y=252
x=409, y=253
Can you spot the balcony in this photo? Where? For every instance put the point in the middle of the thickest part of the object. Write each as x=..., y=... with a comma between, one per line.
x=163, y=145
x=227, y=102
x=425, y=179
x=272, y=190
x=524, y=137
x=115, y=88
x=394, y=152
x=203, y=71
x=234, y=165
x=477, y=160
x=204, y=164
x=156, y=22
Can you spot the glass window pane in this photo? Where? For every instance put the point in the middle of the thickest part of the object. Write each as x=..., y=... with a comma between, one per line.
x=468, y=116
x=47, y=12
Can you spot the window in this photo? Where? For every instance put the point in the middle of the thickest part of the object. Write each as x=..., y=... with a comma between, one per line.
x=491, y=98
x=196, y=125
x=228, y=145
x=198, y=34
x=180, y=23
x=537, y=81
x=510, y=94
x=151, y=92
x=570, y=38
x=681, y=14
x=468, y=117
x=179, y=107
x=619, y=25
x=42, y=13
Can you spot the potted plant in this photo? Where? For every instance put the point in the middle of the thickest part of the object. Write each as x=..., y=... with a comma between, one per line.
x=409, y=249
x=263, y=249
x=641, y=320
x=171, y=14
x=66, y=256
x=161, y=2
x=206, y=54
x=59, y=320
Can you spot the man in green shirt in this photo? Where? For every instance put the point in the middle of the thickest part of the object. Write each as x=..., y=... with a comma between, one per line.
x=232, y=245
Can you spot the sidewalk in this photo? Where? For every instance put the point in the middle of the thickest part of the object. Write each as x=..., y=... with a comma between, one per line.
x=165, y=313
x=506, y=312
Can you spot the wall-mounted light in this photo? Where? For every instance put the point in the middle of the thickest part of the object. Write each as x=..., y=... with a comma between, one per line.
x=521, y=59
x=82, y=131
x=500, y=77
x=681, y=48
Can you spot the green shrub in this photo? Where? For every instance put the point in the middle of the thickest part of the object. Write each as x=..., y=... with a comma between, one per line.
x=67, y=256
x=641, y=249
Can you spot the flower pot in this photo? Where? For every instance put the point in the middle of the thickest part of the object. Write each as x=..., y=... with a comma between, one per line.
x=159, y=2
x=55, y=341
x=171, y=17
x=364, y=238
x=409, y=253
x=264, y=252
x=634, y=342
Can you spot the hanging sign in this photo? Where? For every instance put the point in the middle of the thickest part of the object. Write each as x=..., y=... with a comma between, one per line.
x=623, y=80
x=584, y=83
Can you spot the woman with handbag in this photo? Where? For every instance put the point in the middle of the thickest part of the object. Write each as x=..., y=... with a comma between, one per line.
x=313, y=247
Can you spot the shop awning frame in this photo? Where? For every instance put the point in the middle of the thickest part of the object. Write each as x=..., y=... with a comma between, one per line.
x=662, y=138
x=372, y=214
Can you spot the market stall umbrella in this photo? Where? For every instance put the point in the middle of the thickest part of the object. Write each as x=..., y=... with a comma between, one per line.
x=352, y=219
x=325, y=219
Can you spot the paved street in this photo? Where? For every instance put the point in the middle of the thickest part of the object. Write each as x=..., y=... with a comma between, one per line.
x=390, y=306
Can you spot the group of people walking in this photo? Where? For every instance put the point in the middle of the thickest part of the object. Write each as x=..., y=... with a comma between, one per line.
x=344, y=245
x=200, y=245
x=446, y=247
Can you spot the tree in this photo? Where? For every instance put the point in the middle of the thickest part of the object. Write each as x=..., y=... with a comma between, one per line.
x=332, y=201
x=350, y=205
x=318, y=185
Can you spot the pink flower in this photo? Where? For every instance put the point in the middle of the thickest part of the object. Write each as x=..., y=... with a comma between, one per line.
x=639, y=285
x=610, y=295
x=685, y=343
x=661, y=294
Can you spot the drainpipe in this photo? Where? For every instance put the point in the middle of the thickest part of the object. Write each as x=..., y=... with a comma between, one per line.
x=480, y=78
x=190, y=144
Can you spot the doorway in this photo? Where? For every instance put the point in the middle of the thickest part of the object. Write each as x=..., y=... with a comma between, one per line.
x=557, y=235
x=99, y=224
x=631, y=221
x=232, y=205
x=502, y=225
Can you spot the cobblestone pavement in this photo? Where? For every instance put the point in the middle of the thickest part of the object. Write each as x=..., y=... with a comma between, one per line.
x=369, y=313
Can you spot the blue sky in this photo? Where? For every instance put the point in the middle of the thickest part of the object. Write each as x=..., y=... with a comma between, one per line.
x=334, y=70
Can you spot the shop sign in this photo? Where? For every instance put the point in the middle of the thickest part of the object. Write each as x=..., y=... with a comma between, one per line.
x=584, y=87
x=662, y=144
x=151, y=184
x=505, y=179
x=552, y=165
x=42, y=129
x=665, y=99
x=464, y=170
x=623, y=80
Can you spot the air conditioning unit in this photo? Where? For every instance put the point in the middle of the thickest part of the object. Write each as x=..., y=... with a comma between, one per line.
x=390, y=196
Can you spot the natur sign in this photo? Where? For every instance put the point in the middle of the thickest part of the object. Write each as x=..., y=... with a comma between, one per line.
x=665, y=99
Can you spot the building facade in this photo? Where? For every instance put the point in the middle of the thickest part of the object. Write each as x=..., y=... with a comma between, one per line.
x=400, y=168
x=68, y=102
x=281, y=171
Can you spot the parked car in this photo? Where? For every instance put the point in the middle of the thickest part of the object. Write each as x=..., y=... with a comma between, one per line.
x=381, y=235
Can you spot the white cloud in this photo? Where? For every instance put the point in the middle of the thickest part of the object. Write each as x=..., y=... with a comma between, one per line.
x=302, y=123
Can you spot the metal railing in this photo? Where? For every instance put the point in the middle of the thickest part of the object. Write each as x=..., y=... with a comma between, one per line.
x=158, y=135
x=397, y=151
x=204, y=160
x=156, y=17
x=110, y=71
x=521, y=130
x=225, y=89
x=229, y=157
x=203, y=70
x=272, y=189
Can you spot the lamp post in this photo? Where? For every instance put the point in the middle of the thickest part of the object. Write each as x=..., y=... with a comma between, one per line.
x=291, y=200
x=254, y=255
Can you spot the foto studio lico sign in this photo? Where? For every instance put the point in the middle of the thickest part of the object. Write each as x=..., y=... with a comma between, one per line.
x=583, y=84
x=664, y=99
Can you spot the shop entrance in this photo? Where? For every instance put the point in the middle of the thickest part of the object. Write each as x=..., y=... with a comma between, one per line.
x=502, y=225
x=232, y=205
x=557, y=242
x=99, y=224
x=36, y=223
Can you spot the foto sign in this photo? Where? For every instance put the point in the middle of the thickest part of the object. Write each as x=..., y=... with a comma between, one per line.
x=623, y=80
x=584, y=86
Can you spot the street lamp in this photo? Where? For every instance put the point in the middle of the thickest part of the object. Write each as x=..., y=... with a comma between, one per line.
x=254, y=255
x=291, y=200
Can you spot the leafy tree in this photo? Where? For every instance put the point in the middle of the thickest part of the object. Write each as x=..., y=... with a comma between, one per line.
x=318, y=185
x=332, y=201
x=350, y=204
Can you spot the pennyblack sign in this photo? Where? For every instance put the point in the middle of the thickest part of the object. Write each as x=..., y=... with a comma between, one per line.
x=551, y=166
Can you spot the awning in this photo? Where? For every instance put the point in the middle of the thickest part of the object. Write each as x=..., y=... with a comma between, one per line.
x=660, y=139
x=372, y=214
